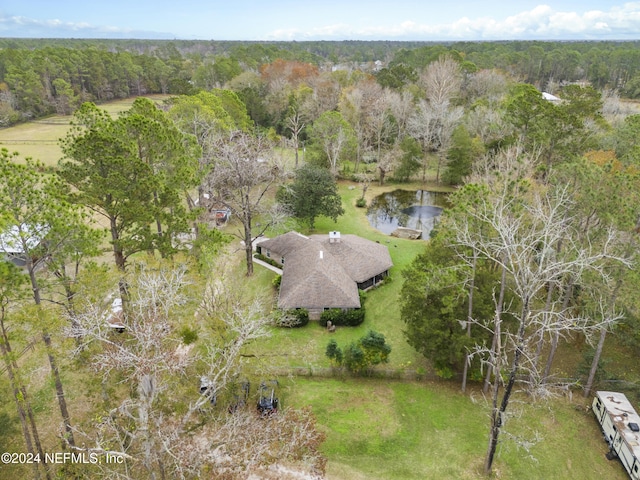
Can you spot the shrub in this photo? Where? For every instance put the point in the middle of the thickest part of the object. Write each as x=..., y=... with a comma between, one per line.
x=268, y=260
x=334, y=353
x=361, y=202
x=188, y=335
x=277, y=280
x=339, y=317
x=295, y=318
x=354, y=358
x=359, y=357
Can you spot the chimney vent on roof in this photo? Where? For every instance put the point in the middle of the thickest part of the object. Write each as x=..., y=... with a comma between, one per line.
x=334, y=237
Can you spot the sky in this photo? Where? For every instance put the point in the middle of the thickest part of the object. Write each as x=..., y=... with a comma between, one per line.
x=448, y=20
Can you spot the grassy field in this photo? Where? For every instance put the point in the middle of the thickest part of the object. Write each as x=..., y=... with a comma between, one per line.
x=39, y=139
x=388, y=430
x=375, y=428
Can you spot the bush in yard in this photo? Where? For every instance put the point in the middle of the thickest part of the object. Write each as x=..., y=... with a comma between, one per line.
x=266, y=259
x=188, y=335
x=346, y=318
x=293, y=318
x=359, y=357
x=334, y=353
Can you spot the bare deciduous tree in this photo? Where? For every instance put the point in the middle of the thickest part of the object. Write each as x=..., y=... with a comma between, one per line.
x=295, y=124
x=521, y=227
x=147, y=431
x=244, y=172
x=441, y=80
x=388, y=162
x=422, y=126
x=401, y=105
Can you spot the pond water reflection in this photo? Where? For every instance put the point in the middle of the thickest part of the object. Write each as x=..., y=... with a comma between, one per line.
x=406, y=208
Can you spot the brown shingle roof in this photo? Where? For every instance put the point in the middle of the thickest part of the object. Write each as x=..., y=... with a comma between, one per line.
x=319, y=274
x=283, y=245
x=361, y=258
x=312, y=278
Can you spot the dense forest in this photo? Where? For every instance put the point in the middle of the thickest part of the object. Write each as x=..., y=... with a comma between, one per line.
x=40, y=77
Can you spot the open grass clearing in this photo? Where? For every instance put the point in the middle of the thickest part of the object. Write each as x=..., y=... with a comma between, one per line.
x=39, y=139
x=381, y=429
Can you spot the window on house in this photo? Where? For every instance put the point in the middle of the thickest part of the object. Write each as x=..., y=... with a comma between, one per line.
x=268, y=253
x=282, y=260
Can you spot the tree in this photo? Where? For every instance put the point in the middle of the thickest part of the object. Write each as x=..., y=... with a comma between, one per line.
x=296, y=117
x=333, y=135
x=365, y=107
x=216, y=73
x=396, y=76
x=210, y=117
x=130, y=171
x=11, y=282
x=197, y=437
x=434, y=309
x=66, y=100
x=522, y=225
x=464, y=150
x=334, y=353
x=448, y=118
x=558, y=132
x=605, y=195
x=380, y=121
x=243, y=174
x=441, y=80
x=40, y=224
x=422, y=126
x=172, y=157
x=313, y=192
x=362, y=355
x=409, y=162
x=387, y=162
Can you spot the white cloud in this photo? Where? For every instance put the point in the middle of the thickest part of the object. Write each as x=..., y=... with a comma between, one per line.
x=17, y=26
x=541, y=22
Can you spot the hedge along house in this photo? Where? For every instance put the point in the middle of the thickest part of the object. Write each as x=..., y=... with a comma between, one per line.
x=320, y=272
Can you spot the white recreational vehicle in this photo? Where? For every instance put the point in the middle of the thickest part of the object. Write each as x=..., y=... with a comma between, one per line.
x=621, y=427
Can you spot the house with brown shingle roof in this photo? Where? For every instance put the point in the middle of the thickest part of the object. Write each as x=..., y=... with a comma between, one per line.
x=325, y=271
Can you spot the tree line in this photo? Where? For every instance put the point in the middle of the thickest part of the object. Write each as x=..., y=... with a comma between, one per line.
x=40, y=77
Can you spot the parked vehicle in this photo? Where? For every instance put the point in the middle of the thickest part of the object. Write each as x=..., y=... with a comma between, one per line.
x=268, y=402
x=621, y=428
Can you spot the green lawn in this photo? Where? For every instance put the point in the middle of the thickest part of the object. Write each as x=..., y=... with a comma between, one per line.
x=387, y=430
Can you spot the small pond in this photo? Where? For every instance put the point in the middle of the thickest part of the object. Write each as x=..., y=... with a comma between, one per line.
x=406, y=208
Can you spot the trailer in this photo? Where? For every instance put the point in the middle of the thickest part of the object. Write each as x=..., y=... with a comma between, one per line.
x=621, y=428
